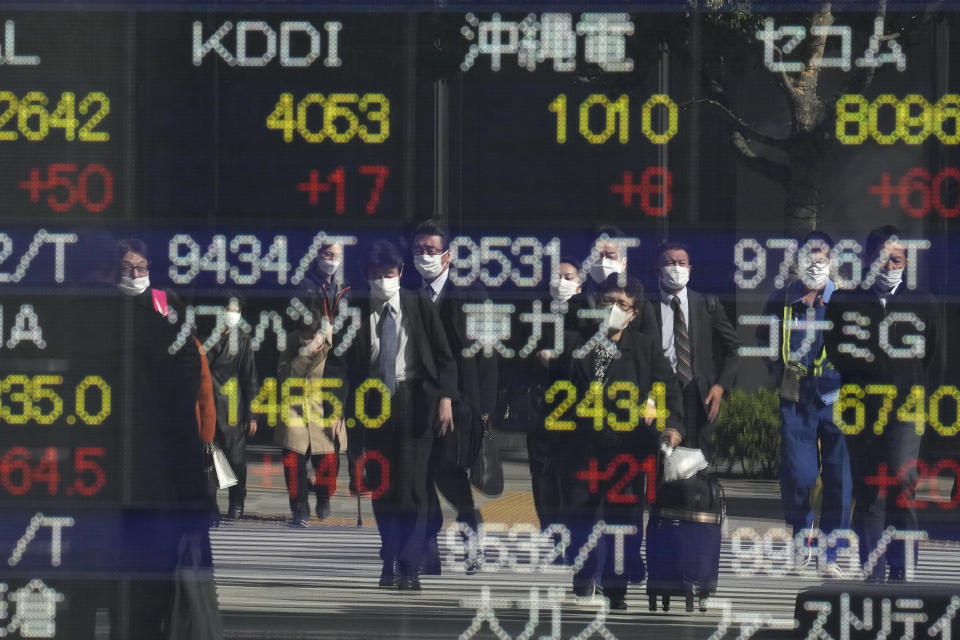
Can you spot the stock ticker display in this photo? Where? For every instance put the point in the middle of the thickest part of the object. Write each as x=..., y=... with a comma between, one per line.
x=238, y=140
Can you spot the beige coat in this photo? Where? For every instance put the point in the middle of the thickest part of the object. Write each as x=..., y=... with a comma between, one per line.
x=301, y=423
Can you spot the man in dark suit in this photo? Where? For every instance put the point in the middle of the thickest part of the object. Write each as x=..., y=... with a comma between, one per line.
x=698, y=340
x=477, y=377
x=902, y=356
x=401, y=342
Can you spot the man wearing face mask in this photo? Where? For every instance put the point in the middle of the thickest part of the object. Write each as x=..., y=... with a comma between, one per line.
x=477, y=381
x=633, y=362
x=863, y=358
x=232, y=357
x=699, y=341
x=401, y=342
x=811, y=444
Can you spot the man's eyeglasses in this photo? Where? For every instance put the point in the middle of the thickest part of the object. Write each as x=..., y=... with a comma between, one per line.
x=623, y=304
x=127, y=269
x=428, y=251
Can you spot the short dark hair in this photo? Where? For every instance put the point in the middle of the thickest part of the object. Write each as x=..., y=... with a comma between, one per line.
x=668, y=245
x=384, y=253
x=571, y=261
x=817, y=235
x=433, y=227
x=136, y=245
x=233, y=294
x=879, y=237
x=632, y=289
x=610, y=230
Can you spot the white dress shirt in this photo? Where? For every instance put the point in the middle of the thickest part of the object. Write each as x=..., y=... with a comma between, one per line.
x=407, y=359
x=666, y=324
x=434, y=288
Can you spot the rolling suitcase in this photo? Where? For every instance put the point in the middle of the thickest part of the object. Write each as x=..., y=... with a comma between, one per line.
x=683, y=540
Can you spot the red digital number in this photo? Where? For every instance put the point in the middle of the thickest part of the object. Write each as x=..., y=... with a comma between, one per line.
x=15, y=473
x=918, y=191
x=384, y=465
x=662, y=186
x=83, y=463
x=66, y=192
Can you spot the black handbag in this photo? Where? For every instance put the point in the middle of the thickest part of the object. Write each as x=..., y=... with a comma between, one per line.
x=486, y=474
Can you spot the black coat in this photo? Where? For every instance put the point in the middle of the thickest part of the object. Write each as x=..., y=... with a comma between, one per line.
x=225, y=364
x=884, y=369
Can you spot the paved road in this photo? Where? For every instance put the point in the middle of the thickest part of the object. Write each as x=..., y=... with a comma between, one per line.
x=277, y=582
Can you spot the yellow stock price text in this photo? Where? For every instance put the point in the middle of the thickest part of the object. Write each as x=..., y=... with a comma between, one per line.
x=30, y=116
x=295, y=400
x=616, y=118
x=25, y=399
x=850, y=409
x=626, y=414
x=335, y=117
x=914, y=119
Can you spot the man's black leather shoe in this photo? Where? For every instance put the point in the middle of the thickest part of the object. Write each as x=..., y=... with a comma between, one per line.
x=388, y=577
x=408, y=583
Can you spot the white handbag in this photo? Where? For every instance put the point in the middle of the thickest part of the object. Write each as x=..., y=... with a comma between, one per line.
x=225, y=476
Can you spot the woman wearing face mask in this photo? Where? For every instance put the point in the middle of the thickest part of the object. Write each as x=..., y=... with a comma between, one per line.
x=630, y=363
x=169, y=502
x=232, y=357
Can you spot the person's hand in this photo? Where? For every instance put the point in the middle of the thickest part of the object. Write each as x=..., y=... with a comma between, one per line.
x=314, y=346
x=672, y=437
x=544, y=356
x=712, y=402
x=650, y=412
x=252, y=428
x=444, y=416
x=339, y=430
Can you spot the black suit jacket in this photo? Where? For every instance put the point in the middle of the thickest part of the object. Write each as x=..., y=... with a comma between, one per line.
x=477, y=375
x=714, y=343
x=641, y=362
x=438, y=372
x=884, y=369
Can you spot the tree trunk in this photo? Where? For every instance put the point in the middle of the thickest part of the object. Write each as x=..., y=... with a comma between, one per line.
x=803, y=188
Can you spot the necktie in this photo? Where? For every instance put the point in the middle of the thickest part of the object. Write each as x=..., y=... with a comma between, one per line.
x=430, y=292
x=388, y=348
x=681, y=342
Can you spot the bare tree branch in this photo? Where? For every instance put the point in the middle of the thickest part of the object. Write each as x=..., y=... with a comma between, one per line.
x=739, y=124
x=753, y=160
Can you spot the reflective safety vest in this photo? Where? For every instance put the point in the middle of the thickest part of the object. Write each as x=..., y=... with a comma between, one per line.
x=818, y=364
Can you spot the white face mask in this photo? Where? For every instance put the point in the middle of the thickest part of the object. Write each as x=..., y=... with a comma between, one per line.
x=602, y=270
x=816, y=274
x=888, y=279
x=329, y=267
x=133, y=286
x=231, y=318
x=384, y=288
x=429, y=267
x=618, y=319
x=674, y=277
x=562, y=289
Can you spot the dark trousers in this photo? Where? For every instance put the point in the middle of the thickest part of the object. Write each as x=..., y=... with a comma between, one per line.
x=876, y=505
x=401, y=489
x=587, y=503
x=233, y=442
x=452, y=482
x=299, y=485
x=698, y=431
x=545, y=478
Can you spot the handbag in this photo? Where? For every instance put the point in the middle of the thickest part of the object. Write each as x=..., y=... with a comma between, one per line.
x=681, y=463
x=216, y=469
x=486, y=474
x=195, y=614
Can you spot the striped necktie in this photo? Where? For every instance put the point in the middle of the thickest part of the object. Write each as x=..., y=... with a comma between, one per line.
x=681, y=342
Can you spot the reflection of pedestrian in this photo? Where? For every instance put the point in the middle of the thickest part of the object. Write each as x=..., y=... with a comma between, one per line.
x=811, y=444
x=628, y=362
x=401, y=342
x=699, y=341
x=310, y=431
x=911, y=317
x=234, y=371
x=168, y=496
